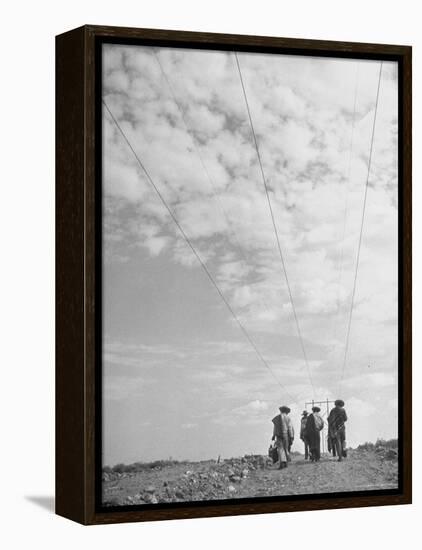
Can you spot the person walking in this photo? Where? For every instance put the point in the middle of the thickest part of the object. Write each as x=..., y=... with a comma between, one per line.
x=337, y=428
x=302, y=433
x=283, y=434
x=314, y=424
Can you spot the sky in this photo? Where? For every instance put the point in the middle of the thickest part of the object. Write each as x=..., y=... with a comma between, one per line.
x=180, y=378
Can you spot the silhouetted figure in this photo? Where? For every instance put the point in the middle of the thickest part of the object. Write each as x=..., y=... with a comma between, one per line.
x=314, y=424
x=302, y=433
x=283, y=434
x=337, y=428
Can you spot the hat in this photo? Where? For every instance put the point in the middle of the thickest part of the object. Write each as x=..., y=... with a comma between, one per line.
x=305, y=413
x=315, y=409
x=339, y=403
x=284, y=409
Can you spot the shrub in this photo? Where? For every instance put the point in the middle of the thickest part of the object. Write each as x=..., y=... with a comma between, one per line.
x=367, y=446
x=388, y=444
x=141, y=466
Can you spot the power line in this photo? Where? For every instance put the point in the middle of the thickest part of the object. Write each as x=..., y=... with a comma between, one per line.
x=201, y=159
x=193, y=139
x=196, y=254
x=274, y=224
x=346, y=202
x=202, y=162
x=346, y=348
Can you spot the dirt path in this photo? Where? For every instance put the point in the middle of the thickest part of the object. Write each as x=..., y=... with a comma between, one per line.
x=302, y=477
x=251, y=477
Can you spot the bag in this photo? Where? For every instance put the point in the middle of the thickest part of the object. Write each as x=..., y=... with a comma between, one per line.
x=319, y=423
x=273, y=453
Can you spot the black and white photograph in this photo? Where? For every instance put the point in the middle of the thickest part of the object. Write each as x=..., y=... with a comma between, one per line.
x=209, y=242
x=250, y=275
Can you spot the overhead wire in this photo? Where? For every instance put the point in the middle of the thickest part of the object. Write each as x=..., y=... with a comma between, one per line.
x=346, y=347
x=346, y=200
x=213, y=186
x=255, y=141
x=197, y=150
x=194, y=251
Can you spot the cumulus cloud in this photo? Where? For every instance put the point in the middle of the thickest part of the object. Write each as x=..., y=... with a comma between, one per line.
x=191, y=130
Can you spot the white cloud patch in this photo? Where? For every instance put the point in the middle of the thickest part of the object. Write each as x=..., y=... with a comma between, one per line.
x=199, y=152
x=120, y=388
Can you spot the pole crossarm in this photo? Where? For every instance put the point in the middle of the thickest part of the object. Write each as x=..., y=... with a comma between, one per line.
x=323, y=402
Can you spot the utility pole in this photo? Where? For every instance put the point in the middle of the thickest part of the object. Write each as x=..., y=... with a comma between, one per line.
x=320, y=404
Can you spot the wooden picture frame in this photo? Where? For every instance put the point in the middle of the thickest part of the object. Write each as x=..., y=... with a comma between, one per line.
x=78, y=284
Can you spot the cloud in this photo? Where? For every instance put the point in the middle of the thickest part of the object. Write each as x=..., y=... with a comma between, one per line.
x=256, y=405
x=121, y=388
x=209, y=176
x=254, y=412
x=359, y=408
x=375, y=380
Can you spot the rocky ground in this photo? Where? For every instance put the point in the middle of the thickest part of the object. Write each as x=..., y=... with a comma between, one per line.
x=251, y=476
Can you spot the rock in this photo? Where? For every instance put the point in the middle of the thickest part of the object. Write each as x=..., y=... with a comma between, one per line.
x=150, y=499
x=112, y=502
x=245, y=472
x=150, y=489
x=391, y=454
x=235, y=479
x=231, y=489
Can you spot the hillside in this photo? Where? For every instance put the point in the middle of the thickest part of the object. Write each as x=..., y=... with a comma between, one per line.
x=251, y=476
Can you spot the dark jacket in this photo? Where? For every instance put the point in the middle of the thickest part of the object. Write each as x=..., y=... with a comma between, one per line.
x=336, y=420
x=283, y=427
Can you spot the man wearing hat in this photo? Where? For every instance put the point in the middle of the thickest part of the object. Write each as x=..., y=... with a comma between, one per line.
x=337, y=428
x=302, y=433
x=283, y=434
x=314, y=424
